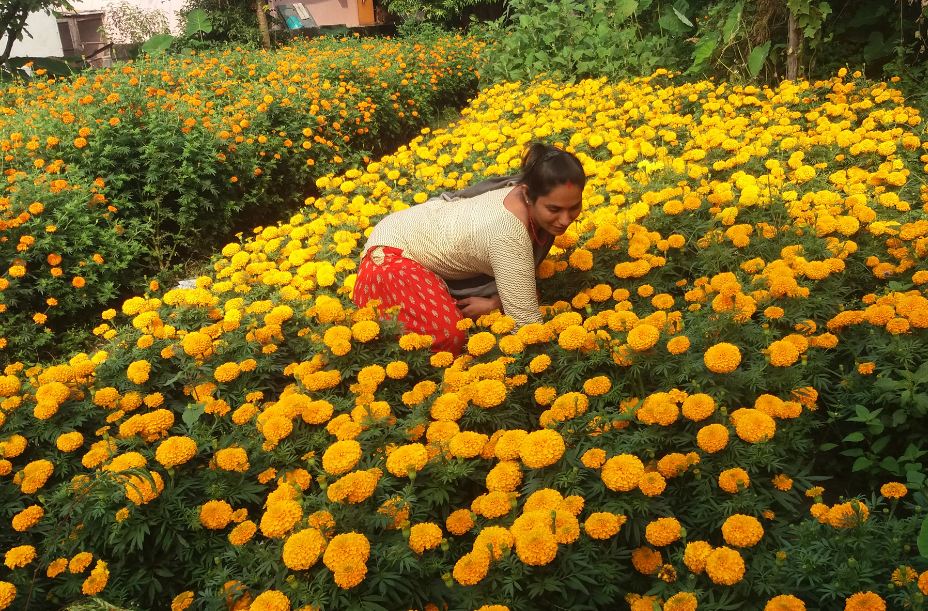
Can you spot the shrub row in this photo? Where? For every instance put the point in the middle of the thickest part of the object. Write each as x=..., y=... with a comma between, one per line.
x=117, y=175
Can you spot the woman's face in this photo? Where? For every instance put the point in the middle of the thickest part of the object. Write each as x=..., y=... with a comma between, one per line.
x=555, y=211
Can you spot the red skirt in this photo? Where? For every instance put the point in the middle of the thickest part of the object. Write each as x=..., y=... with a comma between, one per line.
x=426, y=307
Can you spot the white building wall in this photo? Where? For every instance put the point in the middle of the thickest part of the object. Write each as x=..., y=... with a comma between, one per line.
x=168, y=7
x=45, y=40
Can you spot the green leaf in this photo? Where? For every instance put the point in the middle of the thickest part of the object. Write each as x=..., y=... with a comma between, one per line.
x=855, y=436
x=923, y=539
x=861, y=463
x=159, y=43
x=703, y=51
x=732, y=22
x=682, y=17
x=192, y=414
x=625, y=9
x=197, y=21
x=757, y=58
x=669, y=22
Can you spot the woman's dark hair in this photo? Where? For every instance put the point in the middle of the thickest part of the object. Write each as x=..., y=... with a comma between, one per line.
x=545, y=167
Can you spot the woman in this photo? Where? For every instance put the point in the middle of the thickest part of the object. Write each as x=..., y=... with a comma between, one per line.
x=445, y=260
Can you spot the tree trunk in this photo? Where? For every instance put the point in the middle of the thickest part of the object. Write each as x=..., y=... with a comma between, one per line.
x=793, y=48
x=262, y=23
x=13, y=29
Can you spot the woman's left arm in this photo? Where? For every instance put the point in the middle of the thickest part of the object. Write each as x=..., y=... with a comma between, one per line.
x=474, y=307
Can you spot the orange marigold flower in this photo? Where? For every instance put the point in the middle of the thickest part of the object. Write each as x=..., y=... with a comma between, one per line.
x=722, y=358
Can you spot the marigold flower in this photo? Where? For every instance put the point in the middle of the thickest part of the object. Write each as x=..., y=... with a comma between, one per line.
x=341, y=457
x=893, y=490
x=97, y=579
x=175, y=451
x=232, y=459
x=695, y=555
x=346, y=556
x=663, y=531
x=740, y=530
x=622, y=473
x=785, y=602
x=541, y=449
x=603, y=524
x=215, y=515
x=182, y=601
x=865, y=601
x=734, y=480
x=138, y=372
x=722, y=358
x=753, y=425
x=68, y=442
x=725, y=566
x=681, y=601
x=424, y=537
x=27, y=518
x=652, y=483
x=242, y=533
x=536, y=547
x=270, y=600
x=407, y=459
x=355, y=487
x=7, y=594
x=19, y=556
x=646, y=560
x=279, y=518
x=303, y=549
x=471, y=568
x=712, y=438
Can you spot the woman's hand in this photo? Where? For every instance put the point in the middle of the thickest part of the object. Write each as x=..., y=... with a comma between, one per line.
x=474, y=307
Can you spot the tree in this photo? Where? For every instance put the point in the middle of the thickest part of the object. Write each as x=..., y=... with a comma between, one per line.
x=13, y=15
x=124, y=23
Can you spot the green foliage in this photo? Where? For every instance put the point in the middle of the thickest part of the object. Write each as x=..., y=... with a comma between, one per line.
x=570, y=39
x=440, y=13
x=186, y=159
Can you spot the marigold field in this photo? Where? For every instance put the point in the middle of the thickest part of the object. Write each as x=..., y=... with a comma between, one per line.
x=722, y=410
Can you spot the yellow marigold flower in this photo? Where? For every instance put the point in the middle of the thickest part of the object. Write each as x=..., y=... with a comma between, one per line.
x=695, y=555
x=471, y=568
x=782, y=482
x=227, y=372
x=785, y=602
x=643, y=337
x=138, y=372
x=68, y=442
x=698, y=407
x=355, y=487
x=397, y=370
x=847, y=515
x=424, y=537
x=722, y=358
x=488, y=393
x=365, y=330
x=574, y=337
x=893, y=490
x=734, y=480
x=725, y=566
x=903, y=575
x=539, y=364
x=232, y=459
x=459, y=522
x=673, y=464
x=303, y=549
x=622, y=473
x=175, y=451
x=197, y=344
x=9, y=385
x=346, y=556
x=865, y=601
x=215, y=515
x=242, y=533
x=97, y=579
x=19, y=556
x=27, y=518
x=56, y=567
x=581, y=259
x=541, y=449
x=712, y=438
x=681, y=601
x=35, y=475
x=646, y=560
x=593, y=458
x=652, y=484
x=341, y=457
x=182, y=601
x=603, y=524
x=7, y=594
x=79, y=562
x=678, y=344
x=597, y=386
x=536, y=547
x=410, y=458
x=280, y=518
x=753, y=425
x=467, y=444
x=481, y=343
x=663, y=531
x=270, y=600
x=783, y=353
x=740, y=530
